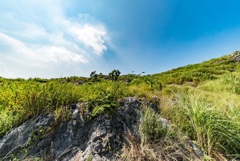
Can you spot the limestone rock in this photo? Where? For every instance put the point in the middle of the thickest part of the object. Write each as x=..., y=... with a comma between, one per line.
x=236, y=56
x=20, y=136
x=100, y=138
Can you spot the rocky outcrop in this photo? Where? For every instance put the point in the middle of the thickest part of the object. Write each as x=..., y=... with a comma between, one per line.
x=81, y=138
x=20, y=137
x=236, y=56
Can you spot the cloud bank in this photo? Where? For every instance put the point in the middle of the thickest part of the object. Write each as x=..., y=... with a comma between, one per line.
x=38, y=36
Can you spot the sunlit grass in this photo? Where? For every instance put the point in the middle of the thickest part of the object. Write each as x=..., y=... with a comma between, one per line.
x=214, y=128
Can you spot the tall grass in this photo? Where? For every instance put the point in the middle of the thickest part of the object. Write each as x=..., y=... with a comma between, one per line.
x=151, y=127
x=208, y=125
x=22, y=100
x=157, y=142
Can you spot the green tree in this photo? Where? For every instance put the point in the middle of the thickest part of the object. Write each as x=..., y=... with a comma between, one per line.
x=114, y=75
x=94, y=76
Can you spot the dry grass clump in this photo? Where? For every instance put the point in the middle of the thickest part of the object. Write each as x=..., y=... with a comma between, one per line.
x=158, y=142
x=166, y=149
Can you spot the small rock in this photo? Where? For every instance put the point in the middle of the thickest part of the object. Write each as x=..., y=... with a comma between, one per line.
x=76, y=115
x=236, y=56
x=164, y=122
x=196, y=149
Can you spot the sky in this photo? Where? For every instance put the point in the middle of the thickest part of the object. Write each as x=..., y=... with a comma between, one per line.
x=61, y=38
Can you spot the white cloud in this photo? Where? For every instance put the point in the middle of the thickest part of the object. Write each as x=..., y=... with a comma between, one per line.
x=58, y=53
x=90, y=36
x=37, y=56
x=5, y=71
x=38, y=34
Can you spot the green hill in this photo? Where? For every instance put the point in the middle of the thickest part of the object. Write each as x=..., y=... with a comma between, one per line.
x=201, y=102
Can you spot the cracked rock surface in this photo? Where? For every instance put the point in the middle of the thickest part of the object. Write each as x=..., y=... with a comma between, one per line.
x=100, y=138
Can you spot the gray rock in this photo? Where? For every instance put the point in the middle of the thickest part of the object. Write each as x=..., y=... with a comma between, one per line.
x=100, y=138
x=20, y=136
x=196, y=149
x=165, y=123
x=76, y=114
x=236, y=56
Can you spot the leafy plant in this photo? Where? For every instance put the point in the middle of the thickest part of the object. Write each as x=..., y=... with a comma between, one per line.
x=61, y=115
x=106, y=101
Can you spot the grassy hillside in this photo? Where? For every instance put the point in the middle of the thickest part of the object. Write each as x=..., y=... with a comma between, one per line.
x=201, y=101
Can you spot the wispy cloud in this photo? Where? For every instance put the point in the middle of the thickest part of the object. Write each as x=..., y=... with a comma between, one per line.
x=90, y=36
x=5, y=71
x=38, y=34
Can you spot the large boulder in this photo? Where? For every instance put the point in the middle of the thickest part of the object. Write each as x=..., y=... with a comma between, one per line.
x=81, y=138
x=20, y=137
x=236, y=56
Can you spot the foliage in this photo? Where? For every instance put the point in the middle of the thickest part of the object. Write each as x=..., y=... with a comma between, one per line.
x=94, y=76
x=106, y=100
x=61, y=115
x=114, y=75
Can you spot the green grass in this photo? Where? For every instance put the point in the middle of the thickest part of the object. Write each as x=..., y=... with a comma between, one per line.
x=151, y=127
x=21, y=100
x=210, y=126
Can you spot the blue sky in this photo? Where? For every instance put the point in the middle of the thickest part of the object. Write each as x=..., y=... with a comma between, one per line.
x=59, y=38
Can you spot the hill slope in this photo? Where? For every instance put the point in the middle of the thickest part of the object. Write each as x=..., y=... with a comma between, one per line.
x=182, y=111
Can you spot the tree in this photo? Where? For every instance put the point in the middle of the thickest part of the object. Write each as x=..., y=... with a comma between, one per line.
x=114, y=75
x=94, y=76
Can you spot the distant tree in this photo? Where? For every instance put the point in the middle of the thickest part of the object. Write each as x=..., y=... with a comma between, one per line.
x=114, y=75
x=94, y=76
x=100, y=75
